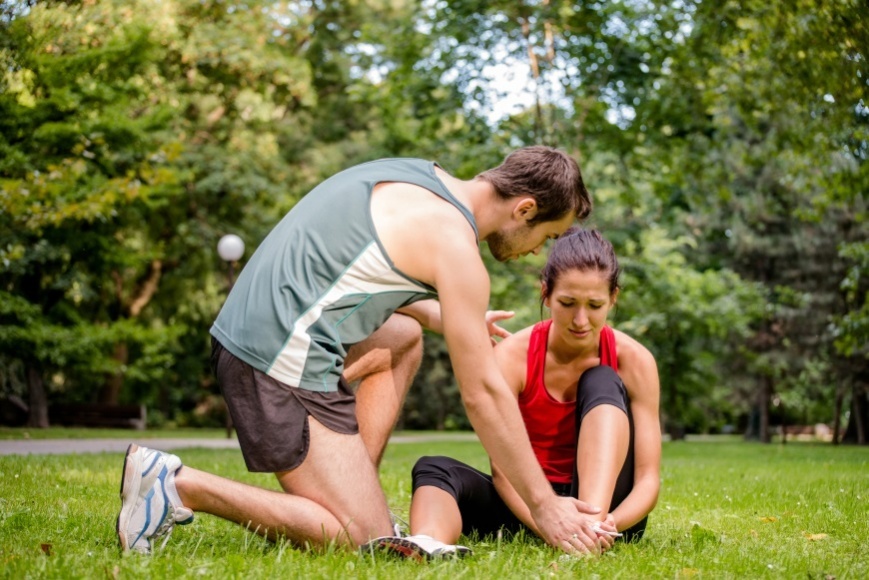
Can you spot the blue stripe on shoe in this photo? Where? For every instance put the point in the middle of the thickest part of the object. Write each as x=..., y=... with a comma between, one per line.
x=153, y=463
x=162, y=477
x=147, y=517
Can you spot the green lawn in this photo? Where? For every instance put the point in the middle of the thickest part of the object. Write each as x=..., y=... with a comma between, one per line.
x=727, y=510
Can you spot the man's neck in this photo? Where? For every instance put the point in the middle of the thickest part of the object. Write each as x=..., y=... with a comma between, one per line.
x=487, y=207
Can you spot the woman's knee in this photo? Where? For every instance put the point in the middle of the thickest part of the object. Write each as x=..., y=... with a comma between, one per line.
x=600, y=385
x=431, y=465
x=601, y=377
x=436, y=471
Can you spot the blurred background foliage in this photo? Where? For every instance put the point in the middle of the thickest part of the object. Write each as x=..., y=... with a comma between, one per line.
x=725, y=145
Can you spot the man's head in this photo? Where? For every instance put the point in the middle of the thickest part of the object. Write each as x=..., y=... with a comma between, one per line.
x=549, y=176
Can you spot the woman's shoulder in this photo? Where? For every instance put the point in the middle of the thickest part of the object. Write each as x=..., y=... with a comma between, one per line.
x=632, y=353
x=517, y=342
x=511, y=355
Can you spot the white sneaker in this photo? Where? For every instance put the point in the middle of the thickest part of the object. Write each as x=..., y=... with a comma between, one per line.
x=417, y=547
x=399, y=526
x=150, y=505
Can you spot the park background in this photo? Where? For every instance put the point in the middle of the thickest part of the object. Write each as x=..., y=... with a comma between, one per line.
x=724, y=144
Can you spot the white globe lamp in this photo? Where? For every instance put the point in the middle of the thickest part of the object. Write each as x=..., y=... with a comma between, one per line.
x=230, y=248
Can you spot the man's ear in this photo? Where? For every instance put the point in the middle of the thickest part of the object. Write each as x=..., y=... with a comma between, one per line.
x=525, y=209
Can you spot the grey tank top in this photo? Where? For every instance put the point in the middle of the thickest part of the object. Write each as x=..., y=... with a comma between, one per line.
x=321, y=281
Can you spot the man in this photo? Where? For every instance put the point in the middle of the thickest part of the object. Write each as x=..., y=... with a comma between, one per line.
x=336, y=294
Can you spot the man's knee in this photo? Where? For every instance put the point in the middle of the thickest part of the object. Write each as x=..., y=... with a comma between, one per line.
x=397, y=343
x=406, y=334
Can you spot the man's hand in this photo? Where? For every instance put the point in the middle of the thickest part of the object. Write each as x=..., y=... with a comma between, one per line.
x=494, y=316
x=562, y=524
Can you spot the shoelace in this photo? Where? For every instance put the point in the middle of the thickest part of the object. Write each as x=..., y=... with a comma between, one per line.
x=166, y=527
x=399, y=526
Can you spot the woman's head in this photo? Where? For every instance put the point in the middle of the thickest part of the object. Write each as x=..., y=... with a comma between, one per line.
x=582, y=250
x=580, y=283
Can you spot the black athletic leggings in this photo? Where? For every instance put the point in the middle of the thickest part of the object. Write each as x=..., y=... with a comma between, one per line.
x=484, y=512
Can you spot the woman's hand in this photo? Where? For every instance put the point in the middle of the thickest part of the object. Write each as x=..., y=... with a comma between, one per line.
x=607, y=541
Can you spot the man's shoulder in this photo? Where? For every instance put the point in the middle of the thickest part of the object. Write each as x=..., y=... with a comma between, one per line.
x=384, y=163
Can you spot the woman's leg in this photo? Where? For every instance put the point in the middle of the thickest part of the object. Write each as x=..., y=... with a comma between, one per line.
x=602, y=417
x=451, y=498
x=435, y=513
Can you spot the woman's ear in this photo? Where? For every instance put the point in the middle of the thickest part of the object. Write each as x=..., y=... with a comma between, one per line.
x=544, y=298
x=614, y=297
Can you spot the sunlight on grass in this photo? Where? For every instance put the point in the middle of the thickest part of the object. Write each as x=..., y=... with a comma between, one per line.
x=727, y=510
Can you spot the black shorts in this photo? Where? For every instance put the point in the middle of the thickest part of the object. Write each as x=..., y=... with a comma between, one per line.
x=482, y=509
x=271, y=418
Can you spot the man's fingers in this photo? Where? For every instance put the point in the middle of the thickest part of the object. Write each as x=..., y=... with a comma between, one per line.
x=581, y=544
x=586, y=508
x=496, y=315
x=498, y=331
x=574, y=546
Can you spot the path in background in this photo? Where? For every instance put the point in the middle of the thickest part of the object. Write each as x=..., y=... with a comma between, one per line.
x=67, y=446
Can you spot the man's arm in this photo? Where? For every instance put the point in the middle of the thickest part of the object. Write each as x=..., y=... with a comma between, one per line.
x=428, y=314
x=463, y=289
x=512, y=499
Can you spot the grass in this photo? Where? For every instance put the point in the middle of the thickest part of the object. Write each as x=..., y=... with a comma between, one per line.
x=727, y=510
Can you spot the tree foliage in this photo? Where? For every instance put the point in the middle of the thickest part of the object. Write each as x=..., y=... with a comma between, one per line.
x=724, y=143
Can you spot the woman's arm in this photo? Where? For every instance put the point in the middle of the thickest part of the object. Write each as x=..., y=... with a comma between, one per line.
x=640, y=374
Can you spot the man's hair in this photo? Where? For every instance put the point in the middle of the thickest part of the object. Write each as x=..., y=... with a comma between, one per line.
x=549, y=175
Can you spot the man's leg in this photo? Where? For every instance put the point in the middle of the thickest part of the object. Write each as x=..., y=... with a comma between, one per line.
x=333, y=495
x=385, y=363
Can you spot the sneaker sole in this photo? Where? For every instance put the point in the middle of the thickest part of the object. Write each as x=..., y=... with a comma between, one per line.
x=406, y=549
x=131, y=479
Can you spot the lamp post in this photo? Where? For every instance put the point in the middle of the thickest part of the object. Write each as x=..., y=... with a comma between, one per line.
x=230, y=248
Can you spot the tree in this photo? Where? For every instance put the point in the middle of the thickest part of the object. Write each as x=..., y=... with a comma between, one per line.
x=770, y=136
x=132, y=136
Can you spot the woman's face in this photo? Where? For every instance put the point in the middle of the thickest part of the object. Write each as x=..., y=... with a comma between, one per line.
x=579, y=303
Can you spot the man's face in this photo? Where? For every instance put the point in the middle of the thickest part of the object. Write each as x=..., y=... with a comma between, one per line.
x=519, y=239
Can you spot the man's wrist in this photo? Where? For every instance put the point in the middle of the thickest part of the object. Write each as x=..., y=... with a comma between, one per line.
x=540, y=497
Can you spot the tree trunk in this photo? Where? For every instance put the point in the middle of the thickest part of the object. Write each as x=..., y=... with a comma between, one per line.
x=763, y=407
x=111, y=391
x=37, y=399
x=784, y=426
x=837, y=415
x=856, y=431
x=131, y=308
x=752, y=431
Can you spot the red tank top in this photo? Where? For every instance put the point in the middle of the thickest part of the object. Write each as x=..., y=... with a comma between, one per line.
x=551, y=424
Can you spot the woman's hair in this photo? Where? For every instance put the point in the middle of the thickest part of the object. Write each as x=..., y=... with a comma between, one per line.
x=550, y=176
x=583, y=250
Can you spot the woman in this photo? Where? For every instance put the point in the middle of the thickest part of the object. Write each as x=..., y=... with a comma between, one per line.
x=589, y=397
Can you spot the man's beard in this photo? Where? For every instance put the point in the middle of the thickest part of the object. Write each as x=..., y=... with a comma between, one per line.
x=502, y=245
